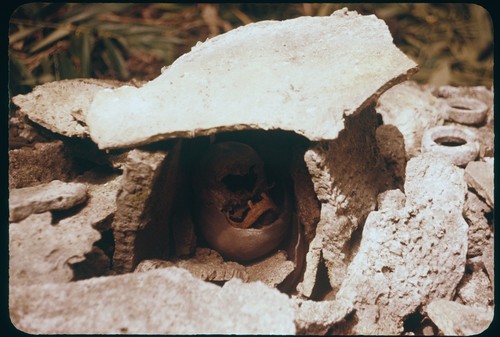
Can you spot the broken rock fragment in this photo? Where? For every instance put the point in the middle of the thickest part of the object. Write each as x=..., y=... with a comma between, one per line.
x=208, y=265
x=456, y=319
x=412, y=110
x=479, y=176
x=303, y=75
x=42, y=252
x=42, y=163
x=347, y=173
x=316, y=318
x=163, y=301
x=56, y=195
x=479, y=228
x=409, y=255
x=143, y=204
x=62, y=106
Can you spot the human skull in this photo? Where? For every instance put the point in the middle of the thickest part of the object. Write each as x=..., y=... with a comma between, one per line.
x=236, y=213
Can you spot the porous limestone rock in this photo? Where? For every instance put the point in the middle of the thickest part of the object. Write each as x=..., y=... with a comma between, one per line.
x=42, y=252
x=479, y=229
x=61, y=106
x=143, y=205
x=163, y=301
x=475, y=289
x=391, y=199
x=347, y=173
x=21, y=133
x=410, y=255
x=56, y=195
x=41, y=163
x=209, y=265
x=99, y=212
x=317, y=317
x=304, y=75
x=102, y=190
x=307, y=205
x=479, y=176
x=455, y=319
x=412, y=110
x=391, y=144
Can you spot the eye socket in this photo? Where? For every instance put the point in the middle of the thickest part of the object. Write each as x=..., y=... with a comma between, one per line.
x=241, y=183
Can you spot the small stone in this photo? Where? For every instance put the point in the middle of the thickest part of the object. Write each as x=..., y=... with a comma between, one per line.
x=479, y=176
x=316, y=318
x=453, y=318
x=272, y=270
x=55, y=195
x=392, y=199
x=475, y=289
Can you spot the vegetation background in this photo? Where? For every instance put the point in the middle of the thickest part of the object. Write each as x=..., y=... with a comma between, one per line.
x=452, y=43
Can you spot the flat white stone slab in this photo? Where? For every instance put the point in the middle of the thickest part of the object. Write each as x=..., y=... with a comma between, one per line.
x=303, y=75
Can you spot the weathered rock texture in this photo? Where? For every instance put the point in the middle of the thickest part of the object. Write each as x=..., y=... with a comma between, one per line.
x=102, y=189
x=307, y=205
x=479, y=229
x=55, y=195
x=61, y=106
x=348, y=173
x=316, y=318
x=475, y=289
x=42, y=252
x=99, y=212
x=164, y=301
x=209, y=265
x=302, y=75
x=143, y=205
x=455, y=319
x=412, y=110
x=42, y=163
x=479, y=176
x=391, y=144
x=411, y=255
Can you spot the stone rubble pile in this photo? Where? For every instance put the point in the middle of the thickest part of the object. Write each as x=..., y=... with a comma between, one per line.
x=103, y=238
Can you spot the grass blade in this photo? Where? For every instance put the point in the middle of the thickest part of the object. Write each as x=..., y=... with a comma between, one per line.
x=51, y=38
x=116, y=59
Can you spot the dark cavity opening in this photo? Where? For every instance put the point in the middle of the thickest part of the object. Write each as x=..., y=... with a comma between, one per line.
x=450, y=141
x=461, y=107
x=235, y=183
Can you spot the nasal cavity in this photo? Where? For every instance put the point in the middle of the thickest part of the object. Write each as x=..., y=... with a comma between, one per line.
x=236, y=183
